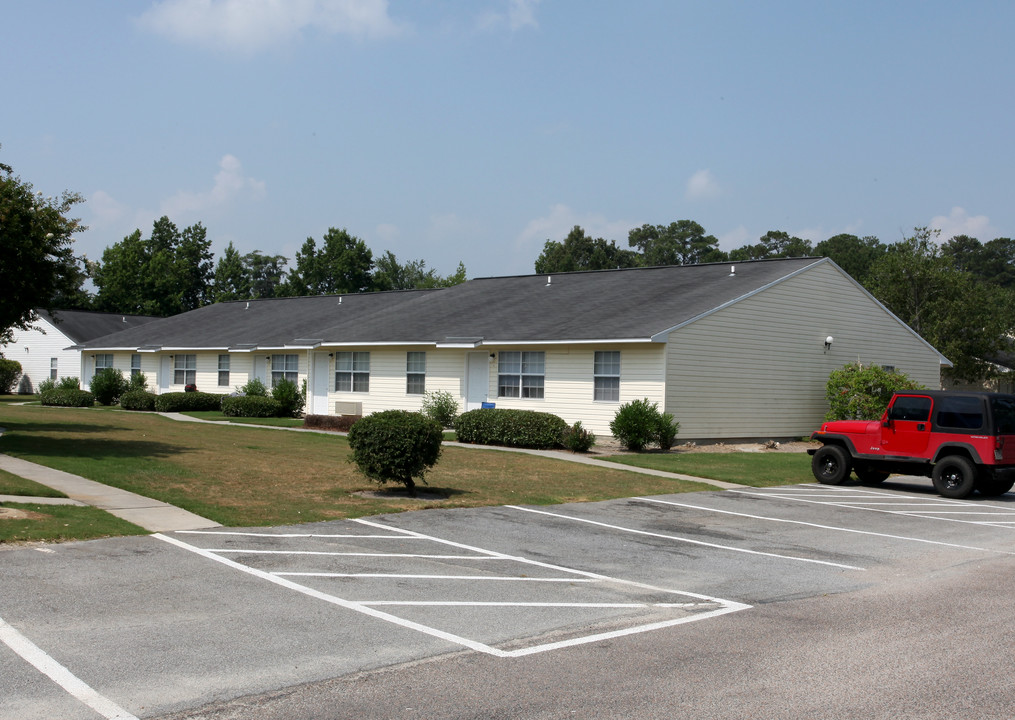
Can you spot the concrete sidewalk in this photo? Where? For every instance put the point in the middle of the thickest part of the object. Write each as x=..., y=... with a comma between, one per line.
x=152, y=515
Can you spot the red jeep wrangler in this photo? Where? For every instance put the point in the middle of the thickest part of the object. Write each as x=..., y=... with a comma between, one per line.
x=964, y=441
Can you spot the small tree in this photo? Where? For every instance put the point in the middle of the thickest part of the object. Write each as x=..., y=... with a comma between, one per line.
x=639, y=423
x=441, y=407
x=255, y=386
x=856, y=392
x=108, y=385
x=289, y=398
x=396, y=446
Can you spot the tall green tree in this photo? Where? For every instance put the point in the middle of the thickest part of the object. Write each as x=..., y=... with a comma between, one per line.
x=389, y=274
x=773, y=244
x=683, y=242
x=966, y=319
x=853, y=254
x=343, y=264
x=266, y=273
x=167, y=273
x=992, y=262
x=37, y=263
x=578, y=251
x=231, y=280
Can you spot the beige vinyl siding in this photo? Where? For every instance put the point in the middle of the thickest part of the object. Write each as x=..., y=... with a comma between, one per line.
x=758, y=368
x=207, y=375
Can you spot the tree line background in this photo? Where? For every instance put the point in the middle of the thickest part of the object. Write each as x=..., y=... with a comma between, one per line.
x=958, y=294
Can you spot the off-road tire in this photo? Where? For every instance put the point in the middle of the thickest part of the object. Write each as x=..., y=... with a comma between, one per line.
x=991, y=486
x=955, y=477
x=831, y=465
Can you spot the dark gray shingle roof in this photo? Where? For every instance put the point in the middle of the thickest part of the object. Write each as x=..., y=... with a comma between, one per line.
x=83, y=325
x=632, y=304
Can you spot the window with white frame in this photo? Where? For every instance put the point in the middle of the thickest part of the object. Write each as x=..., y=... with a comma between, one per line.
x=520, y=374
x=185, y=369
x=223, y=371
x=284, y=367
x=52, y=368
x=352, y=372
x=415, y=373
x=135, y=365
x=103, y=361
x=606, y=376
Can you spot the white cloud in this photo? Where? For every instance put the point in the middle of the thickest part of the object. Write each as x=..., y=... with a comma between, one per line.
x=230, y=185
x=251, y=25
x=519, y=14
x=960, y=223
x=105, y=209
x=702, y=186
x=737, y=237
x=386, y=233
x=560, y=221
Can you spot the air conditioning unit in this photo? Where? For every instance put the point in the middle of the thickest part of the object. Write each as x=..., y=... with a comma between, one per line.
x=348, y=408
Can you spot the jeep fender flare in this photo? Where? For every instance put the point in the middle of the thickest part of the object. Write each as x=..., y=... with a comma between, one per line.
x=841, y=440
x=957, y=448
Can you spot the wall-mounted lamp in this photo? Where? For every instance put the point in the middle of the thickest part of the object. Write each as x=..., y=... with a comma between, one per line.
x=493, y=356
x=331, y=354
x=828, y=342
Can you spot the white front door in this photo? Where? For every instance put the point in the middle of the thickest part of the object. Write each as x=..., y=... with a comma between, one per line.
x=319, y=394
x=165, y=373
x=261, y=369
x=477, y=383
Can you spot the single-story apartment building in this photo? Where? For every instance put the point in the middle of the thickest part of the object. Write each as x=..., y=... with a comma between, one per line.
x=731, y=350
x=47, y=350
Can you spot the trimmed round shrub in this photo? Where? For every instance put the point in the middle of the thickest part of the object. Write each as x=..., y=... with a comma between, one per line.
x=639, y=423
x=441, y=407
x=856, y=392
x=513, y=428
x=10, y=371
x=107, y=386
x=67, y=398
x=578, y=439
x=187, y=401
x=69, y=383
x=137, y=400
x=137, y=381
x=396, y=446
x=250, y=406
x=289, y=397
x=45, y=385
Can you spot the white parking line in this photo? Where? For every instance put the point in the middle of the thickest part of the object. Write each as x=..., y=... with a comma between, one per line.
x=837, y=528
x=677, y=538
x=719, y=606
x=63, y=677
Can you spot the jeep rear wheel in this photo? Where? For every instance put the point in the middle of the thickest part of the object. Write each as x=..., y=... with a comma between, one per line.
x=954, y=477
x=992, y=486
x=830, y=465
x=870, y=476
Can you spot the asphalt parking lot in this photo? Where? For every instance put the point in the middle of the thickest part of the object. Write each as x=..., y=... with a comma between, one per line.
x=187, y=624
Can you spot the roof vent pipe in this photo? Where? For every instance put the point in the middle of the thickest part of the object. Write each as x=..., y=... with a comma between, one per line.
x=248, y=306
x=339, y=299
x=123, y=319
x=733, y=270
x=549, y=279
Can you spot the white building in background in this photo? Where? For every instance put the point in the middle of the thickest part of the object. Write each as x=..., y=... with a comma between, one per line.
x=45, y=351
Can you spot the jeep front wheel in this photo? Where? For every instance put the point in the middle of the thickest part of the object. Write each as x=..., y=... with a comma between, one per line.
x=954, y=477
x=830, y=465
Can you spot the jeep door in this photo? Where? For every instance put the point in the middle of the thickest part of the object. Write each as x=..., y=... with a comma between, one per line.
x=906, y=429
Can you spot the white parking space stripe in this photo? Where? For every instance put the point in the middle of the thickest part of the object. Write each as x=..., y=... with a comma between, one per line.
x=63, y=677
x=677, y=538
x=694, y=601
x=237, y=551
x=838, y=528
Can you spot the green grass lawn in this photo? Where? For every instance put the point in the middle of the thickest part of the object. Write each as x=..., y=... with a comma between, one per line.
x=246, y=475
x=14, y=485
x=757, y=469
x=61, y=522
x=219, y=416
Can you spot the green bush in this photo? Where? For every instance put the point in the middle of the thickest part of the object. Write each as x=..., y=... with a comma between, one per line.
x=639, y=423
x=856, y=392
x=63, y=397
x=250, y=406
x=289, y=398
x=578, y=439
x=10, y=371
x=254, y=387
x=69, y=383
x=137, y=381
x=45, y=385
x=513, y=428
x=187, y=401
x=396, y=446
x=441, y=407
x=138, y=400
x=107, y=386
x=338, y=423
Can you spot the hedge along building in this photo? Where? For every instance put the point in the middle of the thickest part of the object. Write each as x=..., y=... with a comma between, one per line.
x=732, y=351
x=47, y=350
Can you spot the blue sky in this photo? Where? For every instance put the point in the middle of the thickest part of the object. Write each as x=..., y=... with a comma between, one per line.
x=449, y=131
